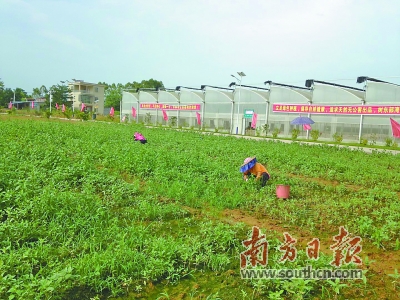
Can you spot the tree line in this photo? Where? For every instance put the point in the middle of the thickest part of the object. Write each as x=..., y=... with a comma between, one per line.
x=62, y=94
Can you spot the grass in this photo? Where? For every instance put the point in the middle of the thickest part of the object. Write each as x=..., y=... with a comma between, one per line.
x=86, y=212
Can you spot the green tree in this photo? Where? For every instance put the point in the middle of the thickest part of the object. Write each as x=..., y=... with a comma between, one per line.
x=144, y=84
x=39, y=92
x=61, y=94
x=1, y=93
x=20, y=95
x=113, y=92
x=113, y=96
x=7, y=96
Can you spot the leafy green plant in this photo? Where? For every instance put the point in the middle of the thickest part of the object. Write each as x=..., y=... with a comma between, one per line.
x=397, y=245
x=380, y=235
x=173, y=121
x=336, y=285
x=67, y=113
x=259, y=130
x=295, y=133
x=265, y=129
x=47, y=114
x=338, y=138
x=373, y=138
x=147, y=118
x=315, y=134
x=364, y=141
x=275, y=132
x=12, y=111
x=277, y=295
x=388, y=142
x=396, y=279
x=82, y=115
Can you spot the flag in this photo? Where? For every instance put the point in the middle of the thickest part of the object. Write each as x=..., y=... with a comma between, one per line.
x=254, y=120
x=395, y=128
x=33, y=104
x=57, y=106
x=63, y=108
x=10, y=105
x=112, y=112
x=133, y=112
x=83, y=107
x=165, y=115
x=306, y=127
x=198, y=118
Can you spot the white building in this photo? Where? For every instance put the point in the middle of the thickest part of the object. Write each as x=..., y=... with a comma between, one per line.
x=90, y=94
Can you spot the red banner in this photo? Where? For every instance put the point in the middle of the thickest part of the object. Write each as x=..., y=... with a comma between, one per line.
x=254, y=120
x=198, y=118
x=165, y=116
x=169, y=107
x=338, y=109
x=395, y=128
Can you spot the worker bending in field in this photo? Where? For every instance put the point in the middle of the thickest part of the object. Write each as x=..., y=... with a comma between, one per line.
x=252, y=167
x=139, y=137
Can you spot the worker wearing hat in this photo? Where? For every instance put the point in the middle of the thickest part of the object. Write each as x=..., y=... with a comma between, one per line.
x=252, y=167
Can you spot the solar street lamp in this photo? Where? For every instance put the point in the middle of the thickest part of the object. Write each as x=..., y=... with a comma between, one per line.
x=241, y=74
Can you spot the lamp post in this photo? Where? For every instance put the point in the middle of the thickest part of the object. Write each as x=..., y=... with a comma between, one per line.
x=62, y=91
x=241, y=74
x=50, y=99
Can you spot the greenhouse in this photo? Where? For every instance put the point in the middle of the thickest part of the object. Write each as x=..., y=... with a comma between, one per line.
x=352, y=113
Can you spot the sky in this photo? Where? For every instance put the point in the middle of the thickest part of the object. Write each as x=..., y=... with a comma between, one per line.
x=192, y=43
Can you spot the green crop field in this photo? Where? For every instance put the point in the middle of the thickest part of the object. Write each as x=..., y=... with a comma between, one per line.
x=87, y=213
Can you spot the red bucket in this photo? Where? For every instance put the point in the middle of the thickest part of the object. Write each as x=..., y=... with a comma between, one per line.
x=282, y=191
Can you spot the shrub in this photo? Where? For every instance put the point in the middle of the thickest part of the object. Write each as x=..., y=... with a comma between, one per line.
x=173, y=121
x=82, y=115
x=364, y=141
x=47, y=114
x=295, y=133
x=259, y=130
x=265, y=128
x=373, y=139
x=147, y=118
x=12, y=111
x=315, y=134
x=338, y=138
x=275, y=133
x=67, y=113
x=388, y=142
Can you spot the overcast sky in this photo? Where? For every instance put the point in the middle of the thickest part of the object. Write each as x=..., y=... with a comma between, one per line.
x=190, y=42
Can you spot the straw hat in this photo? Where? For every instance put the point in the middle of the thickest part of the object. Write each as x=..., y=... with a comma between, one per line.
x=247, y=160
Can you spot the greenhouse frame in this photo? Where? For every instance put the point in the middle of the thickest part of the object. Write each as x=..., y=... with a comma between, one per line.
x=353, y=113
